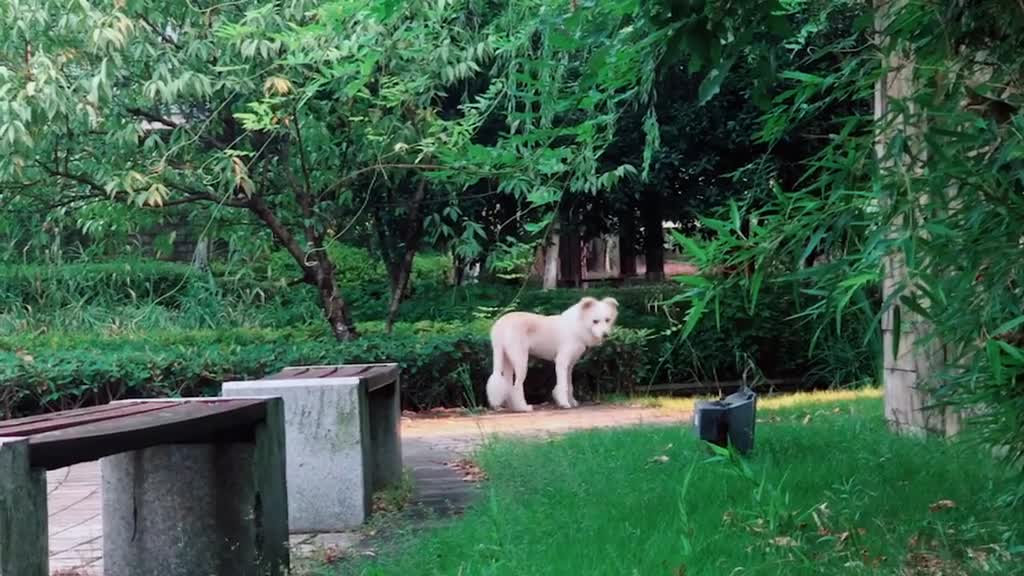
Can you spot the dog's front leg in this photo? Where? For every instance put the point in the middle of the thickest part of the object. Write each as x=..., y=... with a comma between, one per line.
x=572, y=392
x=563, y=378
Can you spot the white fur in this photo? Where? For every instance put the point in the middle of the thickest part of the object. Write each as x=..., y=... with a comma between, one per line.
x=561, y=339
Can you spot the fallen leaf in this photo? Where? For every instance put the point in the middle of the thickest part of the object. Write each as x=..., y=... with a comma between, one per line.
x=659, y=459
x=785, y=541
x=681, y=570
x=470, y=471
x=24, y=356
x=942, y=505
x=980, y=557
x=928, y=564
x=807, y=419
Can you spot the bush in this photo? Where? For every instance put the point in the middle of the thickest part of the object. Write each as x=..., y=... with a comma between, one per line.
x=444, y=362
x=119, y=282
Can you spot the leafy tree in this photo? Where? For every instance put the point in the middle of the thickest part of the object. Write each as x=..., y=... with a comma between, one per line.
x=921, y=201
x=303, y=114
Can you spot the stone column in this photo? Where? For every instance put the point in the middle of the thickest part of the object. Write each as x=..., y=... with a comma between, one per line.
x=24, y=542
x=385, y=437
x=341, y=439
x=197, y=509
x=910, y=366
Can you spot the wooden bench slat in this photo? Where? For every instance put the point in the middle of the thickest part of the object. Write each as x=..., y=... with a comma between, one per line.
x=375, y=375
x=59, y=415
x=181, y=423
x=78, y=418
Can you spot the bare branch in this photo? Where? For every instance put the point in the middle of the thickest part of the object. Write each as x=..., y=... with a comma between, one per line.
x=156, y=30
x=262, y=211
x=302, y=190
x=164, y=121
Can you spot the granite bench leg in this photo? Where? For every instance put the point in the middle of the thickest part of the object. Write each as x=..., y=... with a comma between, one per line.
x=24, y=543
x=385, y=434
x=335, y=432
x=186, y=510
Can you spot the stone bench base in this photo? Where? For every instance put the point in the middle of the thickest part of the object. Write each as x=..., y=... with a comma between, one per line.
x=342, y=436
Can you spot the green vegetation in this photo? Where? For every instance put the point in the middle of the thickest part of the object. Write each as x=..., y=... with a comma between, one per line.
x=64, y=349
x=336, y=171
x=828, y=491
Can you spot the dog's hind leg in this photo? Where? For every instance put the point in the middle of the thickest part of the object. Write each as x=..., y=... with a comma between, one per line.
x=563, y=373
x=500, y=381
x=519, y=358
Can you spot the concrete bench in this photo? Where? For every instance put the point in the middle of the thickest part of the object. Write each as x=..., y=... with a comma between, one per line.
x=342, y=433
x=189, y=486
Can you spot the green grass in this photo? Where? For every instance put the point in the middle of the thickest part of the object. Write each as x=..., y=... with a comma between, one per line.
x=829, y=491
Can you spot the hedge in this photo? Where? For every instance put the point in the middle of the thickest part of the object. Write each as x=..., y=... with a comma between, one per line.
x=444, y=363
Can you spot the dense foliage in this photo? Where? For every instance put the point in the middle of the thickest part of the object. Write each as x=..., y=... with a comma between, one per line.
x=922, y=199
x=65, y=352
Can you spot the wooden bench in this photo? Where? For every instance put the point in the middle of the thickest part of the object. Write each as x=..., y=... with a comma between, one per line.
x=342, y=430
x=189, y=486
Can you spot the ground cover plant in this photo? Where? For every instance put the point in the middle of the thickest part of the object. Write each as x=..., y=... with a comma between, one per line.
x=62, y=352
x=829, y=491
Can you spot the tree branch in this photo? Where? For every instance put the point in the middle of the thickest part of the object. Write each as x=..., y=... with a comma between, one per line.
x=164, y=121
x=259, y=207
x=163, y=37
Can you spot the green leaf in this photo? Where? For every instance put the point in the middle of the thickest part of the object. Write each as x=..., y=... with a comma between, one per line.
x=755, y=286
x=994, y=360
x=693, y=280
x=915, y=306
x=1008, y=326
x=693, y=316
x=897, y=330
x=712, y=83
x=691, y=247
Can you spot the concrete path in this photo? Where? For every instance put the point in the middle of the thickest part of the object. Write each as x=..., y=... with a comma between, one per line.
x=432, y=445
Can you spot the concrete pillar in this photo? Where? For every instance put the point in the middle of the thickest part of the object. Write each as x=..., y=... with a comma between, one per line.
x=550, y=278
x=343, y=443
x=385, y=415
x=196, y=509
x=24, y=543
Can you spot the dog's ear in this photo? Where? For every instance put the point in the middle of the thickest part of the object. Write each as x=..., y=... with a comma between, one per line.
x=611, y=302
x=587, y=301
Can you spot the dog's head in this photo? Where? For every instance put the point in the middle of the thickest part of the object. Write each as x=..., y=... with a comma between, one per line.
x=598, y=316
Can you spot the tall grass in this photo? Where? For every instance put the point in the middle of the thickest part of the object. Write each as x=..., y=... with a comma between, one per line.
x=829, y=491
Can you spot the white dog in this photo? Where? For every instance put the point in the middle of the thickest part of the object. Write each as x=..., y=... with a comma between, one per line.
x=561, y=339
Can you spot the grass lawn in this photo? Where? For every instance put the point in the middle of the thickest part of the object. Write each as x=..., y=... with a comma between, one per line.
x=829, y=491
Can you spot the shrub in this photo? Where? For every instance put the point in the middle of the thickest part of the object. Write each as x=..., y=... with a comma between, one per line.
x=39, y=286
x=444, y=362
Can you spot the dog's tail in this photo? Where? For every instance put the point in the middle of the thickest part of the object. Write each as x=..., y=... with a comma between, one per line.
x=500, y=381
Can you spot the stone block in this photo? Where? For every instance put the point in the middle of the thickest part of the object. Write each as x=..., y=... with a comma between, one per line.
x=342, y=438
x=190, y=509
x=24, y=544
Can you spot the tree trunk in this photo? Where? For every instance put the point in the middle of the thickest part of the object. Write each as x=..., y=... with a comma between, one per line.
x=910, y=359
x=411, y=245
x=627, y=244
x=569, y=248
x=319, y=273
x=550, y=281
x=201, y=255
x=654, y=234
x=598, y=260
x=335, y=309
x=458, y=271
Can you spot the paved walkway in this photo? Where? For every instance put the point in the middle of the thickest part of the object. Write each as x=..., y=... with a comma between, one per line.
x=431, y=443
